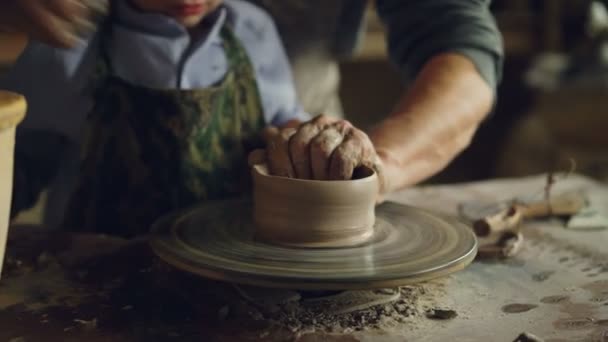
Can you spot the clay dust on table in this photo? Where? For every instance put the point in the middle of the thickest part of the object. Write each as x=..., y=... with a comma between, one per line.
x=150, y=300
x=349, y=311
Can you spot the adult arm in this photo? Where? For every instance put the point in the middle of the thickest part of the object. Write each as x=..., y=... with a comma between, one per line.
x=452, y=53
x=433, y=122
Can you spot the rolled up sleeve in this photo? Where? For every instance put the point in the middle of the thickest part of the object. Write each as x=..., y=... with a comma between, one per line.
x=419, y=30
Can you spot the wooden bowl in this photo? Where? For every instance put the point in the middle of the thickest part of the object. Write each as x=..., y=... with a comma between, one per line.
x=312, y=213
x=12, y=111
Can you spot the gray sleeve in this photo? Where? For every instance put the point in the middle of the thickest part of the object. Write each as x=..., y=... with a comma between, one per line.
x=420, y=29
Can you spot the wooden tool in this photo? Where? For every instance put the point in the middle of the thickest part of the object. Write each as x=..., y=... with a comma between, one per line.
x=500, y=234
x=508, y=218
x=566, y=204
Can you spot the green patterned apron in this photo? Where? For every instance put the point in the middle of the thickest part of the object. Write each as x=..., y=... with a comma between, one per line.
x=148, y=152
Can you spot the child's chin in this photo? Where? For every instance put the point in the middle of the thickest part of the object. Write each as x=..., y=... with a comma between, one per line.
x=190, y=22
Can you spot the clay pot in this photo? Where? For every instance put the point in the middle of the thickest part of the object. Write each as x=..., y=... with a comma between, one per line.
x=12, y=111
x=312, y=213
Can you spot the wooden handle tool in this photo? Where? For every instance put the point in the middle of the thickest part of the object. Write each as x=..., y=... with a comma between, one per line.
x=567, y=204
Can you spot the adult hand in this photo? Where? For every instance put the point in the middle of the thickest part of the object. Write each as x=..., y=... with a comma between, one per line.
x=55, y=22
x=323, y=148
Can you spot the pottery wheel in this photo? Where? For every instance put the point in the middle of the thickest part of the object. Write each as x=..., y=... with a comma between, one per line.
x=409, y=245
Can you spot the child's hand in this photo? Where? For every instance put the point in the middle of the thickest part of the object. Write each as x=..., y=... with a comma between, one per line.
x=55, y=22
x=324, y=148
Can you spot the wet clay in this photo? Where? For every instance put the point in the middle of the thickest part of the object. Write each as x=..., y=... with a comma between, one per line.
x=587, y=317
x=313, y=213
x=598, y=290
x=441, y=314
x=527, y=337
x=518, y=308
x=542, y=276
x=574, y=323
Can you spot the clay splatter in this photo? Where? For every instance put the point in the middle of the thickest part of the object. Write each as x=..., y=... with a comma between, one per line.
x=518, y=308
x=542, y=276
x=299, y=318
x=574, y=323
x=563, y=260
x=598, y=289
x=441, y=314
x=554, y=299
x=527, y=337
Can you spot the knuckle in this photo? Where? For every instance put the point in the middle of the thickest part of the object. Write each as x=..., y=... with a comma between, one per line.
x=342, y=152
x=344, y=124
x=322, y=116
x=359, y=135
x=306, y=133
x=352, y=145
x=322, y=119
x=287, y=133
x=269, y=132
x=320, y=149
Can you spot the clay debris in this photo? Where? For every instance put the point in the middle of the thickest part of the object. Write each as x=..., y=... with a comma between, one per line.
x=300, y=316
x=441, y=314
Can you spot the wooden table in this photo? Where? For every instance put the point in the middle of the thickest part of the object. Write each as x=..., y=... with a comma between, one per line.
x=62, y=287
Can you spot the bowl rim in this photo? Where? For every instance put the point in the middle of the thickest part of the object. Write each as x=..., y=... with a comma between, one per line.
x=12, y=109
x=260, y=170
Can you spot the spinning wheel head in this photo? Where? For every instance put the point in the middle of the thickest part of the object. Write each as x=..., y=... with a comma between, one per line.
x=408, y=245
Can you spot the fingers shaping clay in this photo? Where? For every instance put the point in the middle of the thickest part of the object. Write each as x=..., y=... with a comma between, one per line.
x=321, y=149
x=278, y=158
x=313, y=213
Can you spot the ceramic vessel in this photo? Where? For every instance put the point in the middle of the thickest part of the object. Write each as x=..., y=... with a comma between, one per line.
x=12, y=111
x=312, y=213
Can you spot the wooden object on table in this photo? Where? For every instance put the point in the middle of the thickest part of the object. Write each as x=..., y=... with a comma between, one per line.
x=504, y=220
x=567, y=204
x=500, y=234
x=12, y=110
